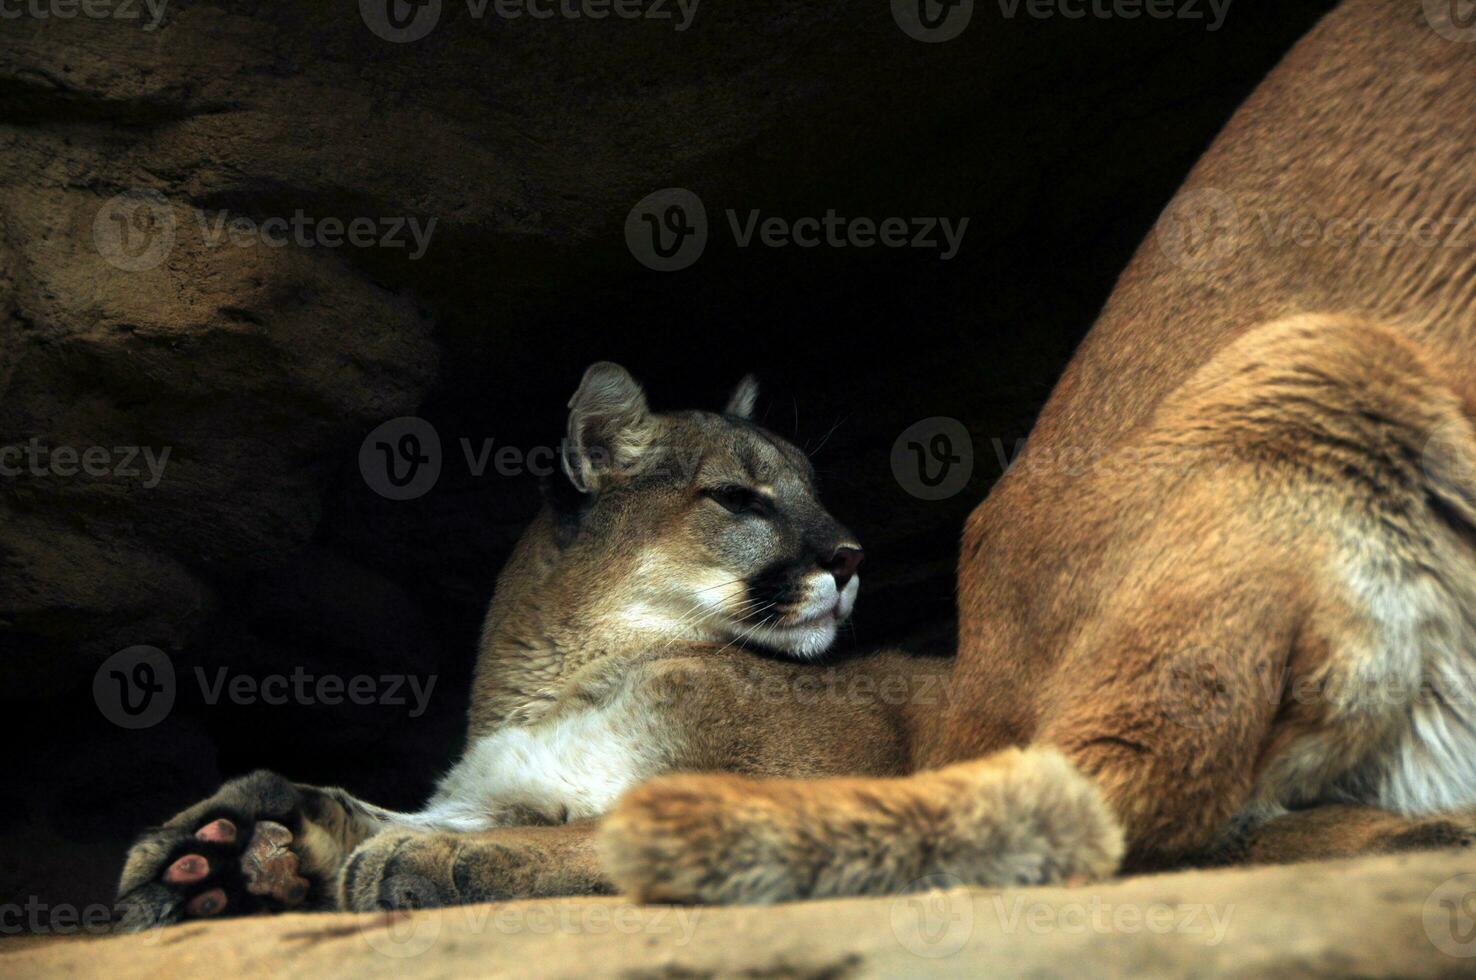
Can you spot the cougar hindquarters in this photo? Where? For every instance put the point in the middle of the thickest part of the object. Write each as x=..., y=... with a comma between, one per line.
x=616, y=648
x=1307, y=581
x=1259, y=597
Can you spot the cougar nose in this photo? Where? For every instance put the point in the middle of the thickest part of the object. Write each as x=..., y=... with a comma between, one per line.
x=843, y=565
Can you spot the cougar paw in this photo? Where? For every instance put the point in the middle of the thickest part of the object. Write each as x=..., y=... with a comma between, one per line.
x=230, y=855
x=400, y=870
x=699, y=838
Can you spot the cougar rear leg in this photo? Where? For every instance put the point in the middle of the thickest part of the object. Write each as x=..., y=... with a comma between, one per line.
x=1339, y=831
x=1168, y=704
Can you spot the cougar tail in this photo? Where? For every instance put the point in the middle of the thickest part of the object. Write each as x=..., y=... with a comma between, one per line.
x=1017, y=817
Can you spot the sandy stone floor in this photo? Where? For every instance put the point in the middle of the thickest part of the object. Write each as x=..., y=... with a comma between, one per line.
x=1409, y=916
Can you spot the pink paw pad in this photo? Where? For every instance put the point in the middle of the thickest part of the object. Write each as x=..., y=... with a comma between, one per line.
x=221, y=831
x=208, y=903
x=187, y=870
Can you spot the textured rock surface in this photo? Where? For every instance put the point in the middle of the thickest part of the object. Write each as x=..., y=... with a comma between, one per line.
x=1381, y=917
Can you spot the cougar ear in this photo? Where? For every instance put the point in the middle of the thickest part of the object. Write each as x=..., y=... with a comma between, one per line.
x=744, y=398
x=610, y=426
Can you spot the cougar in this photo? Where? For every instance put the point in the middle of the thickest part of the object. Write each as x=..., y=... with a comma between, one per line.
x=619, y=645
x=1245, y=633
x=1250, y=624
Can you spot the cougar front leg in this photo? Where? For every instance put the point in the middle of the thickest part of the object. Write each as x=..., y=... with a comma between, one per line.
x=261, y=843
x=410, y=869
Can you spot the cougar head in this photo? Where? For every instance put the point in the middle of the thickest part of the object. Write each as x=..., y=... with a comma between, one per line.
x=705, y=525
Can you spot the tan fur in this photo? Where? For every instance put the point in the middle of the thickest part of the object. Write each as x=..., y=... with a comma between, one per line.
x=1233, y=610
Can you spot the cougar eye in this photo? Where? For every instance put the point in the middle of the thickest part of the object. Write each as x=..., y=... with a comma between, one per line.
x=737, y=499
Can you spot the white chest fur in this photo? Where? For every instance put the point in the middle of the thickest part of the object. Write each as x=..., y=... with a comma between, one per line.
x=572, y=766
